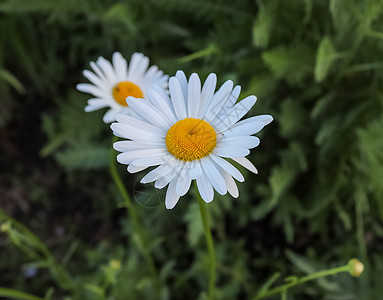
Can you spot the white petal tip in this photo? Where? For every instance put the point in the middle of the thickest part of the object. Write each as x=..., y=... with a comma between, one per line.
x=129, y=100
x=268, y=119
x=120, y=160
x=88, y=108
x=180, y=73
x=113, y=126
x=194, y=76
x=213, y=75
x=170, y=205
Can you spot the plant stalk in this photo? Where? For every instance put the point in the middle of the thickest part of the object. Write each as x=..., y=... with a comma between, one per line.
x=210, y=245
x=140, y=238
x=283, y=288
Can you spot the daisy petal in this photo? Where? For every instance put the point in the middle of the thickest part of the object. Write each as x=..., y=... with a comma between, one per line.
x=134, y=64
x=152, y=161
x=194, y=94
x=231, y=185
x=162, y=105
x=228, y=167
x=232, y=98
x=163, y=181
x=140, y=133
x=148, y=112
x=93, y=78
x=162, y=92
x=249, y=126
x=213, y=175
x=218, y=101
x=95, y=104
x=158, y=172
x=110, y=116
x=129, y=156
x=195, y=169
x=177, y=98
x=107, y=69
x=151, y=72
x=134, y=169
x=92, y=89
x=123, y=146
x=231, y=152
x=171, y=195
x=140, y=124
x=248, y=142
x=207, y=94
x=120, y=66
x=182, y=80
x=225, y=121
x=142, y=67
x=184, y=181
x=243, y=161
x=100, y=74
x=205, y=189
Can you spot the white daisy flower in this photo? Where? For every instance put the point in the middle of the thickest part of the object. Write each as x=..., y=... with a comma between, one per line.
x=190, y=136
x=113, y=83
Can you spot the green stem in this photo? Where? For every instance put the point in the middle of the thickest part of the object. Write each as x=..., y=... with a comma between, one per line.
x=284, y=295
x=210, y=245
x=285, y=287
x=140, y=239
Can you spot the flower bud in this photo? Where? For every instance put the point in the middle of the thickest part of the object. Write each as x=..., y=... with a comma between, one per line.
x=5, y=227
x=355, y=267
x=115, y=264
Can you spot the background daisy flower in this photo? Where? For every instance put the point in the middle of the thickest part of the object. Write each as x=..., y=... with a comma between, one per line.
x=190, y=136
x=113, y=82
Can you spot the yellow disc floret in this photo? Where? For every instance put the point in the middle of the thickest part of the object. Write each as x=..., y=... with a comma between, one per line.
x=124, y=89
x=190, y=139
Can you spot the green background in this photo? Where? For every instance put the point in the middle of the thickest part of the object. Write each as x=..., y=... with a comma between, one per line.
x=316, y=66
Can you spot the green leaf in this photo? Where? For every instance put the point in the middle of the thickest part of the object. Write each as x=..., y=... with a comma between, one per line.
x=326, y=55
x=194, y=224
x=12, y=80
x=291, y=118
x=279, y=181
x=269, y=282
x=293, y=63
x=263, y=25
x=120, y=13
x=88, y=157
x=94, y=289
x=308, y=4
x=300, y=262
x=17, y=294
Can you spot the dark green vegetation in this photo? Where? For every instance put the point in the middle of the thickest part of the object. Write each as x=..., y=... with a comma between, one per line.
x=315, y=65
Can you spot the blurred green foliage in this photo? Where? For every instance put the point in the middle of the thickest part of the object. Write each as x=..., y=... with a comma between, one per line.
x=315, y=65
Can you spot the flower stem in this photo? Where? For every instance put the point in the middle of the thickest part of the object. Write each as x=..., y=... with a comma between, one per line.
x=283, y=288
x=210, y=245
x=139, y=236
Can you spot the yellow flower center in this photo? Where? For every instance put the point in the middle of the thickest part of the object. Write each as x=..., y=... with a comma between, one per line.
x=124, y=89
x=190, y=139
